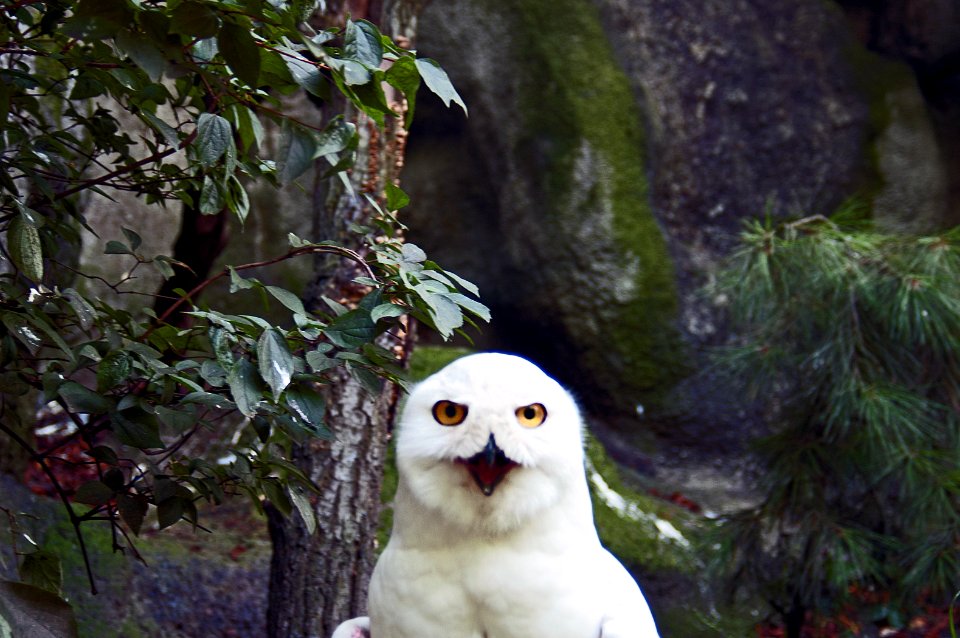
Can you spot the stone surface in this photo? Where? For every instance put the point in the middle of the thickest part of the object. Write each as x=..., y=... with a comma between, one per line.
x=592, y=224
x=548, y=170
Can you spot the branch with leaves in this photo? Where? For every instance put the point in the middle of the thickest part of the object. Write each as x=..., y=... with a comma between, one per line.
x=131, y=390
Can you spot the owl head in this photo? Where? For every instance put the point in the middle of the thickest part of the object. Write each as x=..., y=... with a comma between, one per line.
x=489, y=441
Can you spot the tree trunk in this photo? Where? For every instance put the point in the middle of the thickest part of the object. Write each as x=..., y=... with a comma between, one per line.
x=794, y=618
x=319, y=580
x=201, y=240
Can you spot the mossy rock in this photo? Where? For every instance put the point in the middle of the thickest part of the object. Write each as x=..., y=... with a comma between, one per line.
x=575, y=269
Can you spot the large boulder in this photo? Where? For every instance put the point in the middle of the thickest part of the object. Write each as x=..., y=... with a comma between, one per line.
x=612, y=151
x=541, y=196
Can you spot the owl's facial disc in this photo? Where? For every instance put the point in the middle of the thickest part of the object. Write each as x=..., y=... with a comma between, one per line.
x=488, y=466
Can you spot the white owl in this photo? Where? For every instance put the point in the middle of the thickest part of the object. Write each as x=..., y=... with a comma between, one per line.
x=493, y=533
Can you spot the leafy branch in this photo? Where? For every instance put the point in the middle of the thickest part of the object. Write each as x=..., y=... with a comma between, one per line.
x=133, y=393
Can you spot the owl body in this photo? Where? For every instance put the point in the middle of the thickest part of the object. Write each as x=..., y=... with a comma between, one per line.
x=493, y=533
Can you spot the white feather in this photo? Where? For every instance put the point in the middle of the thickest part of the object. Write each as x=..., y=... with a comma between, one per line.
x=524, y=561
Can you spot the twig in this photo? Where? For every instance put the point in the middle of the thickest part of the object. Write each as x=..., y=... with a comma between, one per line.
x=306, y=250
x=127, y=169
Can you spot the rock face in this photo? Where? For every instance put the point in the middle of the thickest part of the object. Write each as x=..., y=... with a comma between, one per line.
x=613, y=149
x=550, y=169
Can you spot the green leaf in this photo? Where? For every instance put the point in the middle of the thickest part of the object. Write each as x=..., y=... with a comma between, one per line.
x=26, y=610
x=99, y=19
x=275, y=361
x=169, y=512
x=23, y=244
x=465, y=284
x=42, y=569
x=262, y=427
x=205, y=398
x=213, y=373
x=113, y=370
x=142, y=52
x=132, y=237
x=87, y=85
x=180, y=420
x=351, y=329
x=386, y=310
x=318, y=361
x=244, y=386
x=304, y=72
x=81, y=307
x=213, y=138
x=338, y=135
x=12, y=384
x=93, y=493
x=115, y=247
x=361, y=42
x=445, y=314
x=237, y=282
x=297, y=150
x=24, y=333
x=133, y=509
x=470, y=305
x=371, y=98
x=114, y=478
x=83, y=400
x=437, y=81
x=222, y=346
x=248, y=125
x=288, y=299
x=396, y=198
x=404, y=76
x=307, y=404
x=167, y=132
x=413, y=254
x=237, y=199
x=136, y=429
x=240, y=51
x=350, y=72
x=211, y=197
x=303, y=505
x=194, y=19
x=370, y=381
x=276, y=495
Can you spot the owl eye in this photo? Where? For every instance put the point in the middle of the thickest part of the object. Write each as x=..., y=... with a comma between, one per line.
x=449, y=413
x=531, y=416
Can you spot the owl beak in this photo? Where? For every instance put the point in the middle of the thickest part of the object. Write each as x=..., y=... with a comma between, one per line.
x=489, y=466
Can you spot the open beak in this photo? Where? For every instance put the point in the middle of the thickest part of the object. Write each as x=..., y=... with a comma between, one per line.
x=488, y=466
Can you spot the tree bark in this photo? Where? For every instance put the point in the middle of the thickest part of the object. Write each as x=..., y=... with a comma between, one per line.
x=201, y=240
x=319, y=580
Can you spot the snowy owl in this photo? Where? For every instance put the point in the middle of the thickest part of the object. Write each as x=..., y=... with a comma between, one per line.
x=493, y=533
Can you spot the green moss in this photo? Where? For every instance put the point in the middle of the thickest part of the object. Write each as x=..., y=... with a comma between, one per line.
x=425, y=360
x=638, y=543
x=573, y=94
x=95, y=614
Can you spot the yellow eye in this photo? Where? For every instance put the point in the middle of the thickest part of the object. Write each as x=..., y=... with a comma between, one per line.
x=531, y=416
x=449, y=413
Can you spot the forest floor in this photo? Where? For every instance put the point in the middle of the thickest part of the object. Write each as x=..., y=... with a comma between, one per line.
x=213, y=584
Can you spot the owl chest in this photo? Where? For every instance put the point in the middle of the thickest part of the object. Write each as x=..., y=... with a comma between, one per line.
x=484, y=593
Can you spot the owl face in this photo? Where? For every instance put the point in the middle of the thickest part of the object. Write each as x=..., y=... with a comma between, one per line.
x=488, y=441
